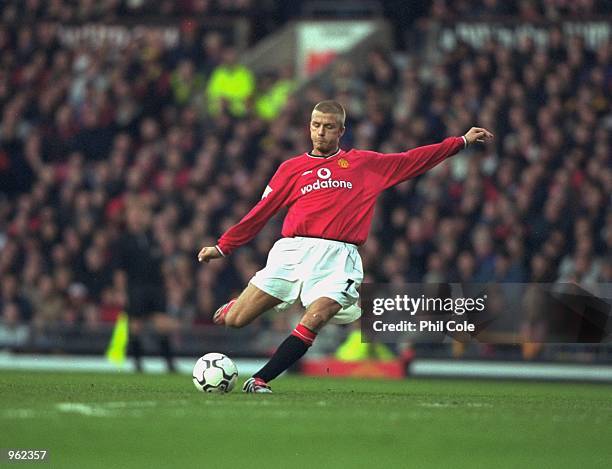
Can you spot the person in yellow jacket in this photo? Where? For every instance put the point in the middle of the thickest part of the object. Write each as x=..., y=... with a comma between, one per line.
x=230, y=83
x=186, y=83
x=352, y=349
x=272, y=96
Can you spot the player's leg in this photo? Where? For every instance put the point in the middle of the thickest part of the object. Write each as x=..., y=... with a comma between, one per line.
x=296, y=345
x=278, y=282
x=330, y=284
x=165, y=326
x=136, y=326
x=137, y=314
x=251, y=304
x=319, y=313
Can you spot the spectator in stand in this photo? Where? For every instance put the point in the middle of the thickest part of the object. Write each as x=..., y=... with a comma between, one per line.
x=10, y=295
x=48, y=303
x=186, y=83
x=230, y=86
x=13, y=331
x=273, y=93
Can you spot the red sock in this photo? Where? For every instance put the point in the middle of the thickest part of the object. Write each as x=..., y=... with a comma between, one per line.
x=304, y=334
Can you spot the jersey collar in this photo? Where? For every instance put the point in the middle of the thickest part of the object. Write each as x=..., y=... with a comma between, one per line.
x=324, y=157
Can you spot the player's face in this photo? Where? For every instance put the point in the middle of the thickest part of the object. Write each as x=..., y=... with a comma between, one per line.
x=325, y=133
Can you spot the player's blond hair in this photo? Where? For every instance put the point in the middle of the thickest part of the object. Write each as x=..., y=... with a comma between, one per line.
x=332, y=107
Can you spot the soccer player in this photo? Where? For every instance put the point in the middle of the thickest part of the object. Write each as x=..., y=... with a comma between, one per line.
x=330, y=194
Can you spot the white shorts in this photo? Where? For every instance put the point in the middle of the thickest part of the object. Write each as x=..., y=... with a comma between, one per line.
x=312, y=268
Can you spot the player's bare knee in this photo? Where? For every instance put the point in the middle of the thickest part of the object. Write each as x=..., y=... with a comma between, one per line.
x=233, y=319
x=237, y=316
x=313, y=322
x=327, y=308
x=319, y=313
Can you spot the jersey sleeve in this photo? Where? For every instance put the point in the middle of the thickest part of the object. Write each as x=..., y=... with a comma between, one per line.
x=275, y=196
x=394, y=168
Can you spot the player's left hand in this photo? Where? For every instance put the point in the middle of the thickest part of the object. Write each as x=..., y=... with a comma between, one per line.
x=208, y=253
x=478, y=135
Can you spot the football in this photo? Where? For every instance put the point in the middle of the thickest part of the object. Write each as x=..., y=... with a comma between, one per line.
x=215, y=372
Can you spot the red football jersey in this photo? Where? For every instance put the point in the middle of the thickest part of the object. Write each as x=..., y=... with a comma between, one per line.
x=333, y=197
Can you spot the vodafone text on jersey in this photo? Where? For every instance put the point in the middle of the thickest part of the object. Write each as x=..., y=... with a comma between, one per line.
x=325, y=181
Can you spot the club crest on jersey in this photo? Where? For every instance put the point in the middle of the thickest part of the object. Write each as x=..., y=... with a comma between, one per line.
x=343, y=163
x=326, y=181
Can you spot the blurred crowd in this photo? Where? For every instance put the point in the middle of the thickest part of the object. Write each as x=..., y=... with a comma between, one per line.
x=86, y=134
x=532, y=206
x=67, y=11
x=526, y=10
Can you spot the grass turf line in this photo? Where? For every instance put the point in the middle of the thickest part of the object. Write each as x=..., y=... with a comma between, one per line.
x=97, y=420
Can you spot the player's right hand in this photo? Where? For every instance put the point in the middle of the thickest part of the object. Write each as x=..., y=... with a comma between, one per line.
x=477, y=134
x=208, y=253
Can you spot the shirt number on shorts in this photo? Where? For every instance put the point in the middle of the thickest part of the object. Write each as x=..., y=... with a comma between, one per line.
x=349, y=282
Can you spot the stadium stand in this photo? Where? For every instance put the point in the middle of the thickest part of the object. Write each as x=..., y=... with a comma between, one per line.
x=85, y=132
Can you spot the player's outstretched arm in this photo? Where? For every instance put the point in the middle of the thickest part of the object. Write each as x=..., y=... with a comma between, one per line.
x=393, y=168
x=275, y=197
x=477, y=135
x=209, y=252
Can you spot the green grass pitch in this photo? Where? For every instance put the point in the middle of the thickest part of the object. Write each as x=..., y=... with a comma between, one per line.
x=125, y=421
